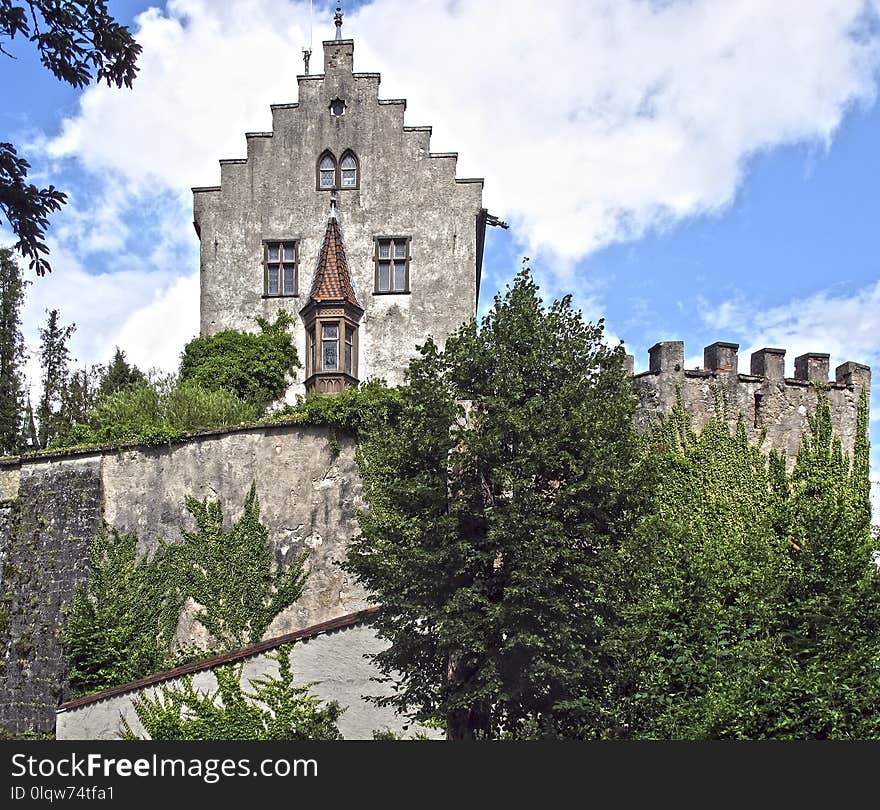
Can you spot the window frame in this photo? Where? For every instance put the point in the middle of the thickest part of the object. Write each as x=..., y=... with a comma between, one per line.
x=282, y=243
x=327, y=153
x=348, y=153
x=337, y=171
x=330, y=322
x=393, y=240
x=345, y=328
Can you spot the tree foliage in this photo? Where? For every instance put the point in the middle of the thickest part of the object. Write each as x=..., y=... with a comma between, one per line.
x=55, y=371
x=157, y=411
x=119, y=374
x=120, y=624
x=276, y=709
x=490, y=528
x=12, y=354
x=255, y=366
x=754, y=607
x=78, y=42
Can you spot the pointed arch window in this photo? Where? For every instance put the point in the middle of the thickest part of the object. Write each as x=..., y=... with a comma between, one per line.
x=326, y=171
x=349, y=170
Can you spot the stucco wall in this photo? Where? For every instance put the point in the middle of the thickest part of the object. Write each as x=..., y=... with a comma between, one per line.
x=335, y=661
x=309, y=496
x=405, y=190
x=309, y=491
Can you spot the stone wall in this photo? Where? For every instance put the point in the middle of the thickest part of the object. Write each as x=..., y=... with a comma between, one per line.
x=774, y=407
x=309, y=491
x=44, y=541
x=334, y=661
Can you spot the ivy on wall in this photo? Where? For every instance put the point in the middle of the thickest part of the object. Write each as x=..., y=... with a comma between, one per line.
x=232, y=574
x=750, y=603
x=275, y=709
x=120, y=625
x=255, y=367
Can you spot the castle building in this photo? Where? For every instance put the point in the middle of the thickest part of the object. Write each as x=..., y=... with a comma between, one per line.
x=344, y=217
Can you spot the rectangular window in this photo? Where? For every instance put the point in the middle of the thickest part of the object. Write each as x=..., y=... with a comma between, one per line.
x=280, y=268
x=329, y=347
x=349, y=349
x=392, y=264
x=312, y=352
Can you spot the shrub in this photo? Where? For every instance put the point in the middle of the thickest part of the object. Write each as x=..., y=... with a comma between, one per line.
x=276, y=709
x=254, y=366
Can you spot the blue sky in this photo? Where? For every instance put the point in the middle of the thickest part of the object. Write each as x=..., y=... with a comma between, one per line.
x=697, y=169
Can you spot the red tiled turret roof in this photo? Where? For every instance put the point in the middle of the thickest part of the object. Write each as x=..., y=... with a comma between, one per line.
x=332, y=281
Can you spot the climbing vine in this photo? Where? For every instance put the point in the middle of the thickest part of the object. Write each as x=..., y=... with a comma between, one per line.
x=121, y=624
x=752, y=608
x=275, y=709
x=231, y=574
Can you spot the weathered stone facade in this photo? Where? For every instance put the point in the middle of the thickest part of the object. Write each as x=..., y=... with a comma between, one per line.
x=402, y=190
x=309, y=491
x=44, y=542
x=774, y=407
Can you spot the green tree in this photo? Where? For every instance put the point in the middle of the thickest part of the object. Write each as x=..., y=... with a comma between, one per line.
x=55, y=372
x=276, y=709
x=119, y=625
x=232, y=574
x=491, y=524
x=78, y=42
x=752, y=611
x=256, y=367
x=79, y=397
x=12, y=354
x=119, y=375
x=30, y=441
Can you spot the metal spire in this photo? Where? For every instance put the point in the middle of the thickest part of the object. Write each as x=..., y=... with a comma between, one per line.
x=337, y=19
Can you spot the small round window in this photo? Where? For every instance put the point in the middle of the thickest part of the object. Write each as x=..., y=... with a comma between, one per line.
x=337, y=107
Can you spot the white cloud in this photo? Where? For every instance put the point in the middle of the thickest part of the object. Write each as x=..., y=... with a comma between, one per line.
x=592, y=121
x=149, y=313
x=845, y=326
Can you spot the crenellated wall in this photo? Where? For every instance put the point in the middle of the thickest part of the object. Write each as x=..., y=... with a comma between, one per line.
x=774, y=407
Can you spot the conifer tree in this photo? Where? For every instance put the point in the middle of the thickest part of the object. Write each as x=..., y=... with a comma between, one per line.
x=54, y=365
x=491, y=525
x=120, y=374
x=12, y=354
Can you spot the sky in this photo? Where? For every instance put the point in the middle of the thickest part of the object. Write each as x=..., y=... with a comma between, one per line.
x=693, y=170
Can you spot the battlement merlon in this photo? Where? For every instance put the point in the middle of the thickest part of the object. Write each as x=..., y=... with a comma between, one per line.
x=722, y=358
x=775, y=408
